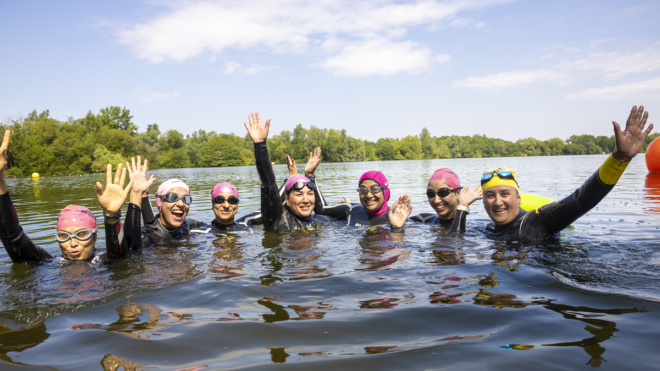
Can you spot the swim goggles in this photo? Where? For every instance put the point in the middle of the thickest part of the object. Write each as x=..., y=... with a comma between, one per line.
x=83, y=234
x=173, y=197
x=442, y=192
x=375, y=189
x=297, y=186
x=220, y=199
x=502, y=174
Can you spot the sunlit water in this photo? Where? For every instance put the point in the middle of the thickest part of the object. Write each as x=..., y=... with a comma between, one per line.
x=343, y=297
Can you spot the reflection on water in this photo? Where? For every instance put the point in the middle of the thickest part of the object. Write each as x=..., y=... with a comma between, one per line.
x=343, y=297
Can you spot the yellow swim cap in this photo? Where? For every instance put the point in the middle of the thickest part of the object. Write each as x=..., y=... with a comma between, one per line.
x=500, y=176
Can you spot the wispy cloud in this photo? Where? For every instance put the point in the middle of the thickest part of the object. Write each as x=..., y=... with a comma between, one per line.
x=192, y=28
x=512, y=79
x=151, y=96
x=646, y=89
x=236, y=68
x=383, y=57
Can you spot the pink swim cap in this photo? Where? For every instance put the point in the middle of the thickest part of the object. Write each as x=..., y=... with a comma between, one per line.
x=295, y=178
x=76, y=216
x=446, y=175
x=223, y=188
x=166, y=187
x=379, y=178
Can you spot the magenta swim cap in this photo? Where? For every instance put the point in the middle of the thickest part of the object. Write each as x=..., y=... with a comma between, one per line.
x=223, y=188
x=379, y=178
x=76, y=216
x=166, y=187
x=446, y=175
x=295, y=178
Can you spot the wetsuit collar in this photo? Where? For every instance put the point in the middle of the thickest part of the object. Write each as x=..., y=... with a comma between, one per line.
x=504, y=227
x=222, y=226
x=304, y=219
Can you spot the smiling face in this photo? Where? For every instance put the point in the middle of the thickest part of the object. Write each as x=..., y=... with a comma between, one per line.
x=502, y=203
x=172, y=214
x=301, y=202
x=224, y=212
x=77, y=250
x=371, y=202
x=445, y=207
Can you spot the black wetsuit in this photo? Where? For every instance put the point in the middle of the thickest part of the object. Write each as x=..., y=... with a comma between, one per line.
x=21, y=249
x=354, y=213
x=548, y=220
x=275, y=215
x=457, y=223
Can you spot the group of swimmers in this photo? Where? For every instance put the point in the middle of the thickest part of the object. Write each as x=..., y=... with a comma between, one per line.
x=299, y=203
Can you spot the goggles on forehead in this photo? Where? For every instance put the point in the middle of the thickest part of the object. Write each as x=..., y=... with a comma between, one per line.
x=297, y=186
x=502, y=174
x=173, y=197
x=83, y=234
x=442, y=192
x=375, y=189
x=220, y=199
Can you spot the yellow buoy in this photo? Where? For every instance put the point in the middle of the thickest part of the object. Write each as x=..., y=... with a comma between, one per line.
x=35, y=175
x=530, y=201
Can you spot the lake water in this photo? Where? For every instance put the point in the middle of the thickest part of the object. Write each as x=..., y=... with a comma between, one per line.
x=347, y=298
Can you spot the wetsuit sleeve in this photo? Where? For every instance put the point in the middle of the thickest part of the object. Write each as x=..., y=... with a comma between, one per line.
x=271, y=204
x=552, y=218
x=18, y=245
x=147, y=211
x=250, y=219
x=116, y=246
x=282, y=191
x=460, y=219
x=321, y=207
x=132, y=229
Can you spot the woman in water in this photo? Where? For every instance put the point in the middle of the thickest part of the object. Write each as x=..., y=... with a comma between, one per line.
x=76, y=225
x=299, y=190
x=374, y=191
x=450, y=201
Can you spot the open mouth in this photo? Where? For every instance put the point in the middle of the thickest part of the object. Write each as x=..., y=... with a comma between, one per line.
x=177, y=215
x=75, y=253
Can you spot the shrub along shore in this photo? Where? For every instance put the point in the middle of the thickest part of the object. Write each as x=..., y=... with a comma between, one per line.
x=48, y=146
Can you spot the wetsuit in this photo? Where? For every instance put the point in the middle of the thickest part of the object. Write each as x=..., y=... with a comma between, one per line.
x=275, y=215
x=546, y=221
x=354, y=213
x=21, y=249
x=457, y=223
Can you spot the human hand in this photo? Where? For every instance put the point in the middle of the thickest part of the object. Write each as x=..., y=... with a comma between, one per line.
x=400, y=211
x=138, y=174
x=468, y=196
x=258, y=132
x=113, y=196
x=631, y=140
x=291, y=164
x=314, y=161
x=3, y=153
x=346, y=200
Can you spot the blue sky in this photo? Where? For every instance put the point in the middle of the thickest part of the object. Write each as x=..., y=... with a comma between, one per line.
x=507, y=69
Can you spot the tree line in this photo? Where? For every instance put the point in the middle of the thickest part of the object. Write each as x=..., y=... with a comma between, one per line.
x=48, y=146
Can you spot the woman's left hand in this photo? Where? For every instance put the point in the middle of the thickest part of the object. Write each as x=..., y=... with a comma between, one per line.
x=113, y=196
x=291, y=164
x=400, y=211
x=468, y=196
x=314, y=161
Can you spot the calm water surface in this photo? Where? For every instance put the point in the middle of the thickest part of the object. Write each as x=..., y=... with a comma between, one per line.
x=343, y=297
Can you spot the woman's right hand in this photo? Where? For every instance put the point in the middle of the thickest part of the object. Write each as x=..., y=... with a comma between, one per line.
x=346, y=200
x=138, y=174
x=3, y=153
x=468, y=196
x=113, y=196
x=258, y=132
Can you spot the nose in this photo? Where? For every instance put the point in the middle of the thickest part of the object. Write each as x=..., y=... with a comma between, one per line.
x=74, y=242
x=498, y=200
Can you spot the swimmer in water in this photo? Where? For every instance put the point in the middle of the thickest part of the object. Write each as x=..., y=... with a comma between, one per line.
x=299, y=190
x=502, y=197
x=224, y=199
x=450, y=201
x=76, y=225
x=373, y=209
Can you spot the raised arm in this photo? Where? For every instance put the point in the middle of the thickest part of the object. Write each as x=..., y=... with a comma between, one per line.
x=271, y=204
x=556, y=216
x=465, y=198
x=18, y=245
x=400, y=211
x=111, y=200
x=138, y=174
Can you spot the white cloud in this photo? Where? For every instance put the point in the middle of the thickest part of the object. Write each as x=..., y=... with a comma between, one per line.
x=646, y=89
x=150, y=96
x=512, y=79
x=614, y=65
x=383, y=57
x=191, y=28
x=236, y=68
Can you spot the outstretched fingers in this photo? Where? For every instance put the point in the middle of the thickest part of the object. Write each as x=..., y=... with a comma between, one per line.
x=99, y=189
x=127, y=189
x=122, y=180
x=5, y=142
x=108, y=175
x=648, y=131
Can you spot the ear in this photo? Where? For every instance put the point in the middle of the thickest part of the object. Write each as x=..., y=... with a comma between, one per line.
x=286, y=198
